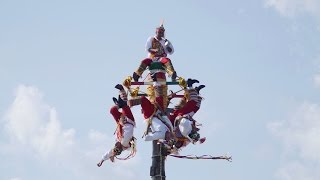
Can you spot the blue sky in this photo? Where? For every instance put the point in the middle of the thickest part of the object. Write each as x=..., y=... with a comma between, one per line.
x=259, y=60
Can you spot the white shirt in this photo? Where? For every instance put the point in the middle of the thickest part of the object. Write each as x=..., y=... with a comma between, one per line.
x=164, y=42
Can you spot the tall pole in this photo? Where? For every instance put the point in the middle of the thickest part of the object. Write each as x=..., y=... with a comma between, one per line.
x=157, y=169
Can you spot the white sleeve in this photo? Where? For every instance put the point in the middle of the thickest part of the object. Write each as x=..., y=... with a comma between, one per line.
x=169, y=44
x=149, y=43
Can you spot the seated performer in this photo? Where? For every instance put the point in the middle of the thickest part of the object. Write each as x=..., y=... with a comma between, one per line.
x=125, y=125
x=158, y=47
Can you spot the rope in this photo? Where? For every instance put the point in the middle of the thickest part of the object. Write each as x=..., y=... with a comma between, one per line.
x=148, y=126
x=194, y=157
x=131, y=155
x=175, y=93
x=133, y=150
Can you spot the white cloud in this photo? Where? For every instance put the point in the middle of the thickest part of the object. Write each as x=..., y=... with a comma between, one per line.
x=33, y=123
x=99, y=142
x=300, y=137
x=294, y=7
x=296, y=171
x=97, y=136
x=36, y=137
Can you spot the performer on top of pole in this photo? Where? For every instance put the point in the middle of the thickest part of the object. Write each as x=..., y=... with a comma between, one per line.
x=158, y=47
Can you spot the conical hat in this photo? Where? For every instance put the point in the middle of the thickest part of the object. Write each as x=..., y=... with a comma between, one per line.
x=161, y=25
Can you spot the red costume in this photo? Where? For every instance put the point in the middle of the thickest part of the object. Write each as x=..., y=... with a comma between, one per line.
x=188, y=105
x=122, y=118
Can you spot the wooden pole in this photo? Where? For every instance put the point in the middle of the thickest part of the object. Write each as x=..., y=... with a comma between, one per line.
x=157, y=169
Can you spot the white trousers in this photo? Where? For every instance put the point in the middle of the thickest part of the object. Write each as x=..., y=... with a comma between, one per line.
x=125, y=140
x=158, y=129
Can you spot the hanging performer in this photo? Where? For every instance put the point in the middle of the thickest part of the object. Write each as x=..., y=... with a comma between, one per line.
x=125, y=125
x=185, y=131
x=185, y=127
x=158, y=123
x=190, y=103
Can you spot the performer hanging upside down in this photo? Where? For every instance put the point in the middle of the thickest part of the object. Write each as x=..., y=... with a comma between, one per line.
x=185, y=132
x=125, y=125
x=159, y=125
x=189, y=104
